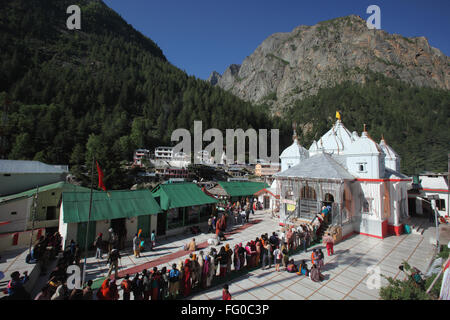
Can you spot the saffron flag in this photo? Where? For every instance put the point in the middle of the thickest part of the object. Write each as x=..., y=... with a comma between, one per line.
x=101, y=185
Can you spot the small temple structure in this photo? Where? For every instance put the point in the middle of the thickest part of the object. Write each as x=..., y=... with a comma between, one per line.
x=359, y=178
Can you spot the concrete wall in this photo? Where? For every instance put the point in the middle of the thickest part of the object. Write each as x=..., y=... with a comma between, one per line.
x=18, y=223
x=23, y=239
x=371, y=163
x=367, y=225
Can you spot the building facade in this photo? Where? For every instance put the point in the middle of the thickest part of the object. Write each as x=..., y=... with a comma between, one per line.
x=353, y=174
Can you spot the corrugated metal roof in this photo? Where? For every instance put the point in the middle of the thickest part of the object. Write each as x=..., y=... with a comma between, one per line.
x=118, y=204
x=25, y=166
x=319, y=166
x=179, y=195
x=65, y=186
x=242, y=188
x=392, y=174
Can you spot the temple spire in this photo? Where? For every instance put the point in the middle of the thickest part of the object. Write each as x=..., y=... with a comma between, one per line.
x=294, y=136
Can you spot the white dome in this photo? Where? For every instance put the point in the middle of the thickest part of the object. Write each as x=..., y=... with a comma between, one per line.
x=336, y=140
x=363, y=145
x=388, y=151
x=295, y=150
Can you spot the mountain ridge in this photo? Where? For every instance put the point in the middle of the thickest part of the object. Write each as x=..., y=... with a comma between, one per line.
x=290, y=66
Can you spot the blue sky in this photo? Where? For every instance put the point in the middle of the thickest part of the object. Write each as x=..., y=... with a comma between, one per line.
x=200, y=36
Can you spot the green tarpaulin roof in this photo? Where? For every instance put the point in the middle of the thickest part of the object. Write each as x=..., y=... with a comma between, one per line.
x=242, y=188
x=65, y=186
x=120, y=204
x=179, y=195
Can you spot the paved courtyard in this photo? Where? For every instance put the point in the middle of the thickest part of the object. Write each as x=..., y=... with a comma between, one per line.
x=345, y=272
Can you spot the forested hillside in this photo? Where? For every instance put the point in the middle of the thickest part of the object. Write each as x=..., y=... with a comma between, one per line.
x=109, y=89
x=104, y=88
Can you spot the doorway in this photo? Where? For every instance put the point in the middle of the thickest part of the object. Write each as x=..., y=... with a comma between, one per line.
x=143, y=222
x=161, y=223
x=329, y=201
x=119, y=227
x=266, y=202
x=81, y=234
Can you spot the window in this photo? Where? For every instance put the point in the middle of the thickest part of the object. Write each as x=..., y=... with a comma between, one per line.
x=14, y=213
x=366, y=205
x=6, y=175
x=362, y=167
x=51, y=213
x=440, y=204
x=308, y=193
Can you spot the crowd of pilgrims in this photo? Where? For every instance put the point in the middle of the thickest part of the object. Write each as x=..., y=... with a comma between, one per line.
x=200, y=269
x=196, y=272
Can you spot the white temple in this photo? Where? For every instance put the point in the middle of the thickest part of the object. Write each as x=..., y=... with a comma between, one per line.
x=358, y=177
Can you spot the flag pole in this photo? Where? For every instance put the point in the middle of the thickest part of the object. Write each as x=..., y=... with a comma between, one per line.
x=35, y=200
x=87, y=226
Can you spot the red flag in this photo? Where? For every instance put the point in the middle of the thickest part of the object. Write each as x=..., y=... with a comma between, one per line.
x=101, y=185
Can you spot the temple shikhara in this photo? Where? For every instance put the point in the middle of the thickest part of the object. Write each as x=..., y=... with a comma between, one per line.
x=359, y=178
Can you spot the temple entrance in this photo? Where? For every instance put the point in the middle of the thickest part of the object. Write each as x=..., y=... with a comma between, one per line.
x=328, y=202
x=266, y=202
x=119, y=227
x=328, y=199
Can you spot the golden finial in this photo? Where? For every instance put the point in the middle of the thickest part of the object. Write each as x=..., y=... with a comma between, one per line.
x=364, y=128
x=338, y=115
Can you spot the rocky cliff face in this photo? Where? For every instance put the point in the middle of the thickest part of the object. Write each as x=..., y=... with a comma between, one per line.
x=289, y=66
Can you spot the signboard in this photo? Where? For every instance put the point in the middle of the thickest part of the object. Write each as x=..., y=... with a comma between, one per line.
x=288, y=201
x=290, y=207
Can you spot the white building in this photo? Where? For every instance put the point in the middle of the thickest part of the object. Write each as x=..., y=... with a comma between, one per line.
x=430, y=184
x=164, y=153
x=140, y=155
x=21, y=175
x=358, y=177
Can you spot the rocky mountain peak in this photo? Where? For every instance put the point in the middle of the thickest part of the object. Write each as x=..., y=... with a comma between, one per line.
x=289, y=66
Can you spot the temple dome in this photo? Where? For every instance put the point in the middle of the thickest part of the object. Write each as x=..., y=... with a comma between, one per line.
x=336, y=141
x=295, y=150
x=388, y=151
x=364, y=145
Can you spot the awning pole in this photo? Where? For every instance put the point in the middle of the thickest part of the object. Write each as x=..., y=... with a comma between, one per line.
x=87, y=226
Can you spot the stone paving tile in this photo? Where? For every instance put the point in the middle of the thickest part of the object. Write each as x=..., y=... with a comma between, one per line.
x=301, y=290
x=331, y=293
x=318, y=296
x=362, y=295
x=345, y=279
x=274, y=285
x=247, y=284
x=243, y=296
x=292, y=294
x=339, y=286
x=261, y=293
x=370, y=291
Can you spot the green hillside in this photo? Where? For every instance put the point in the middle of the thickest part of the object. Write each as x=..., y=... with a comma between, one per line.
x=105, y=88
x=109, y=89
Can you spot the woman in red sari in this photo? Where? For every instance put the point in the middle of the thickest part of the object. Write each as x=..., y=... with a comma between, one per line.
x=155, y=283
x=187, y=278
